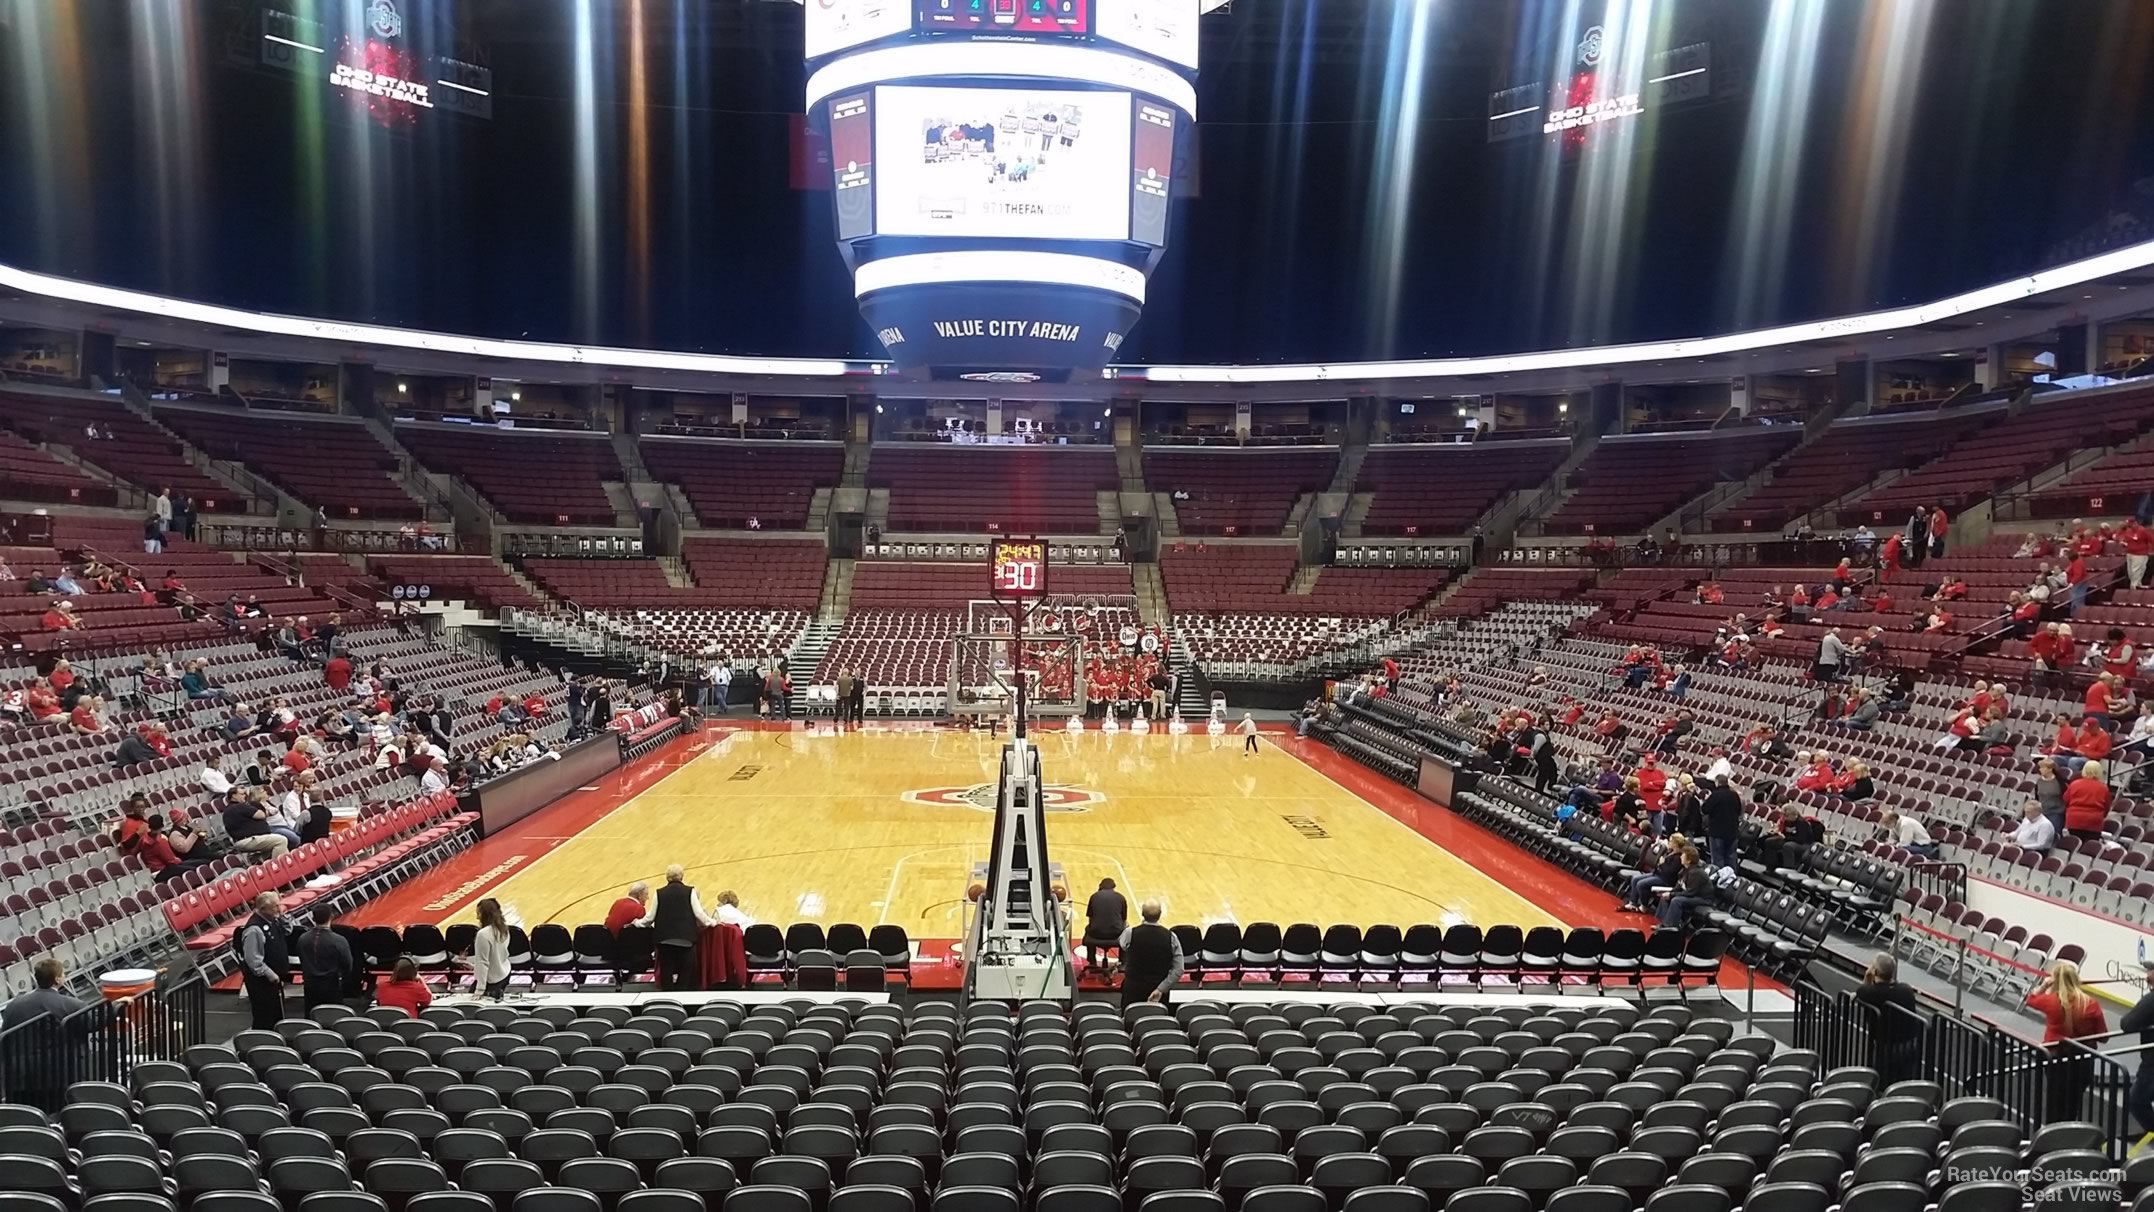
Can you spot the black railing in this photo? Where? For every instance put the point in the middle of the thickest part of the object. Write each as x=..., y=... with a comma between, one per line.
x=101, y=1041
x=2038, y=1084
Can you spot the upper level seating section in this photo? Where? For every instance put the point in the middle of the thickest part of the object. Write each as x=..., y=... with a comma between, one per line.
x=1016, y=489
x=727, y=483
x=1351, y=592
x=471, y=578
x=29, y=474
x=889, y=585
x=785, y=573
x=1484, y=588
x=138, y=452
x=2013, y=449
x=1434, y=490
x=549, y=479
x=1237, y=492
x=1627, y=484
x=2110, y=486
x=1228, y=579
x=1848, y=456
x=617, y=583
x=337, y=466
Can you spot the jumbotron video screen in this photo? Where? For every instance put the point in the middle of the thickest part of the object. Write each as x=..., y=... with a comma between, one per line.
x=1004, y=162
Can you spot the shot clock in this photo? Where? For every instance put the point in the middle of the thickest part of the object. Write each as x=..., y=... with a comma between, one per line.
x=1017, y=569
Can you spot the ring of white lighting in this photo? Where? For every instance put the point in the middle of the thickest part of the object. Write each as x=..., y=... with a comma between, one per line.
x=989, y=265
x=1056, y=62
x=2076, y=273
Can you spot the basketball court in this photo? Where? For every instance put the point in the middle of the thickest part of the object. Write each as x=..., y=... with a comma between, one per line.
x=884, y=825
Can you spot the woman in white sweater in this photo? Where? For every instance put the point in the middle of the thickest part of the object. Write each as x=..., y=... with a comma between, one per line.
x=490, y=951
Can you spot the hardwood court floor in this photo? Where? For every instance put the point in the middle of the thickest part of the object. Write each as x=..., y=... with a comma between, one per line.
x=877, y=826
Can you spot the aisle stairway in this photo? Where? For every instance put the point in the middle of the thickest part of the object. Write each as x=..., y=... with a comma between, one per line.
x=806, y=657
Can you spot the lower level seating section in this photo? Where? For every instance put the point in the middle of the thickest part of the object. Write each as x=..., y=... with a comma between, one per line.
x=547, y=479
x=472, y=578
x=751, y=601
x=1201, y=1107
x=123, y=620
x=1630, y=482
x=1484, y=588
x=333, y=464
x=137, y=452
x=1248, y=493
x=903, y=615
x=1013, y=489
x=730, y=483
x=1848, y=456
x=2014, y=448
x=1444, y=490
x=29, y=474
x=65, y=888
x=1968, y=801
x=1344, y=609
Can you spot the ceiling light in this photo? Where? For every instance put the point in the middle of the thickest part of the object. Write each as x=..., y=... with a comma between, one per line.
x=401, y=388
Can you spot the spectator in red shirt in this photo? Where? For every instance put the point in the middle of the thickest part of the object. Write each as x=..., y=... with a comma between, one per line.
x=2067, y=738
x=1818, y=776
x=1938, y=525
x=404, y=990
x=60, y=617
x=2086, y=802
x=88, y=717
x=295, y=759
x=2138, y=542
x=2075, y=580
x=534, y=705
x=629, y=909
x=1888, y=557
x=2092, y=746
x=42, y=702
x=2115, y=655
x=1951, y=589
x=2052, y=649
x=337, y=671
x=1801, y=597
x=2101, y=701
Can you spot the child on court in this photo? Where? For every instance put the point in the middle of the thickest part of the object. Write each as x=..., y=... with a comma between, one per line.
x=1248, y=730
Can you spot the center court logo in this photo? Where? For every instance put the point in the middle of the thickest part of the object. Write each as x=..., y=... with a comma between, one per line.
x=981, y=797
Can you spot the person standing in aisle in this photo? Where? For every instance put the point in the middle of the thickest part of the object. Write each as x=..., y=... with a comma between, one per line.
x=1151, y=959
x=325, y=964
x=490, y=952
x=676, y=920
x=265, y=960
x=1248, y=730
